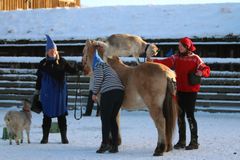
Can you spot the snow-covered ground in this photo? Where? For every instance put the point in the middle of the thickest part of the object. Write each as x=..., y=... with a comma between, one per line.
x=219, y=137
x=149, y=21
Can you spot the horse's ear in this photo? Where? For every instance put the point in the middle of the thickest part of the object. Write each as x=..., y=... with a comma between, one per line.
x=115, y=58
x=89, y=41
x=95, y=43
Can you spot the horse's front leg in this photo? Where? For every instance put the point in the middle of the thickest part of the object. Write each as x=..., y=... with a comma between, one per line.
x=159, y=120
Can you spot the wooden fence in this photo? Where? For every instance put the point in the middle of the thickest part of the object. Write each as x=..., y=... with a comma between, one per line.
x=19, y=84
x=220, y=92
x=33, y=4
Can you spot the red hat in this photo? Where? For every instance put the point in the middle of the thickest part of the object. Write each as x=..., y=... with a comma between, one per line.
x=187, y=42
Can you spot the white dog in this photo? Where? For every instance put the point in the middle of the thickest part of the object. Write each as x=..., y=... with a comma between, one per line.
x=17, y=121
x=126, y=45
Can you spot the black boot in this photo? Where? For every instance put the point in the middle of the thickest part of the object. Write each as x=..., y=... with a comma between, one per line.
x=103, y=148
x=182, y=134
x=62, y=124
x=89, y=106
x=47, y=121
x=114, y=149
x=194, y=137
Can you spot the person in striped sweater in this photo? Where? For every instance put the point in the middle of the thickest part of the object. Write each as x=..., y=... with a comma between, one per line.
x=185, y=62
x=108, y=84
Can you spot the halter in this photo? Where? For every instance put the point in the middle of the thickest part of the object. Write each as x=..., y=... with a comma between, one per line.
x=145, y=52
x=25, y=110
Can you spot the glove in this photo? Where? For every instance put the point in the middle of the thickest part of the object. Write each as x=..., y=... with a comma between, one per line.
x=198, y=73
x=149, y=59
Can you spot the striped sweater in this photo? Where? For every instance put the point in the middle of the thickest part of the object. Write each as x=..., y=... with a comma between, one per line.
x=105, y=79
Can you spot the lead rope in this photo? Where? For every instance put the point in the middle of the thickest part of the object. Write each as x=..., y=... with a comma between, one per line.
x=78, y=92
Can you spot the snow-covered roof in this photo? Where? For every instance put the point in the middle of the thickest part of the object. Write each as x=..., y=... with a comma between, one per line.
x=150, y=22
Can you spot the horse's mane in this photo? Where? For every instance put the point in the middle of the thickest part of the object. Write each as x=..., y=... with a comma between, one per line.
x=91, y=44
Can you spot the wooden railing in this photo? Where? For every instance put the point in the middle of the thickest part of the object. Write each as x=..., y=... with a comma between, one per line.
x=33, y=4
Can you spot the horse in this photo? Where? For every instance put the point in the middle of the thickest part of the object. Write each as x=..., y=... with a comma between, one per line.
x=148, y=84
x=127, y=45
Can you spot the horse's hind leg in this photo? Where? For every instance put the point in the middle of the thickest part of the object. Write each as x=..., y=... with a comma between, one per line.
x=159, y=120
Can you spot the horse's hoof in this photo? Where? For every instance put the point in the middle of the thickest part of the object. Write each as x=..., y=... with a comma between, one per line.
x=159, y=149
x=157, y=154
x=169, y=148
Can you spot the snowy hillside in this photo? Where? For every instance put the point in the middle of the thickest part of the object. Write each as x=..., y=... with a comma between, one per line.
x=152, y=21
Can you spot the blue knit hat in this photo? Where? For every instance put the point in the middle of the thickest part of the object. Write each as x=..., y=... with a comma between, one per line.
x=96, y=59
x=50, y=44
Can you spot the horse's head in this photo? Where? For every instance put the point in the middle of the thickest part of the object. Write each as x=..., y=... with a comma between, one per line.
x=88, y=54
x=152, y=50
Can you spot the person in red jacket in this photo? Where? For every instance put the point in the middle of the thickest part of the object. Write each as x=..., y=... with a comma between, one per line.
x=184, y=62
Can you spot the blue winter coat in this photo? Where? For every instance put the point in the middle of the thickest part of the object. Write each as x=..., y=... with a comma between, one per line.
x=52, y=85
x=53, y=96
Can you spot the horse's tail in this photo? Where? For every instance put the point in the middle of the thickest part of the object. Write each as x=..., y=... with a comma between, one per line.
x=170, y=109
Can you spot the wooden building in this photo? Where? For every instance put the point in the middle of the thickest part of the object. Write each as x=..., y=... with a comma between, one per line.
x=34, y=4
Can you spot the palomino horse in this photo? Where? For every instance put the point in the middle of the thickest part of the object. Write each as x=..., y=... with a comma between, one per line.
x=148, y=84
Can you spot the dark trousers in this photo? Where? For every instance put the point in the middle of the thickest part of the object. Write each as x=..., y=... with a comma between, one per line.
x=47, y=121
x=62, y=122
x=186, y=101
x=110, y=104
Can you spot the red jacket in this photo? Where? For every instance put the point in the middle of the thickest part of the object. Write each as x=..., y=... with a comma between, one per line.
x=184, y=65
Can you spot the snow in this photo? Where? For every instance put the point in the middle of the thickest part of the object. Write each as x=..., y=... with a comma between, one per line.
x=149, y=21
x=225, y=73
x=218, y=137
x=217, y=86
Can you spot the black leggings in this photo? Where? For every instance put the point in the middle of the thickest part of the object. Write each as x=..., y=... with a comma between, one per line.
x=110, y=104
x=186, y=101
x=62, y=122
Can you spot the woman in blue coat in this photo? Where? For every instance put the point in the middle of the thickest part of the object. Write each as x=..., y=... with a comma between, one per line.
x=52, y=88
